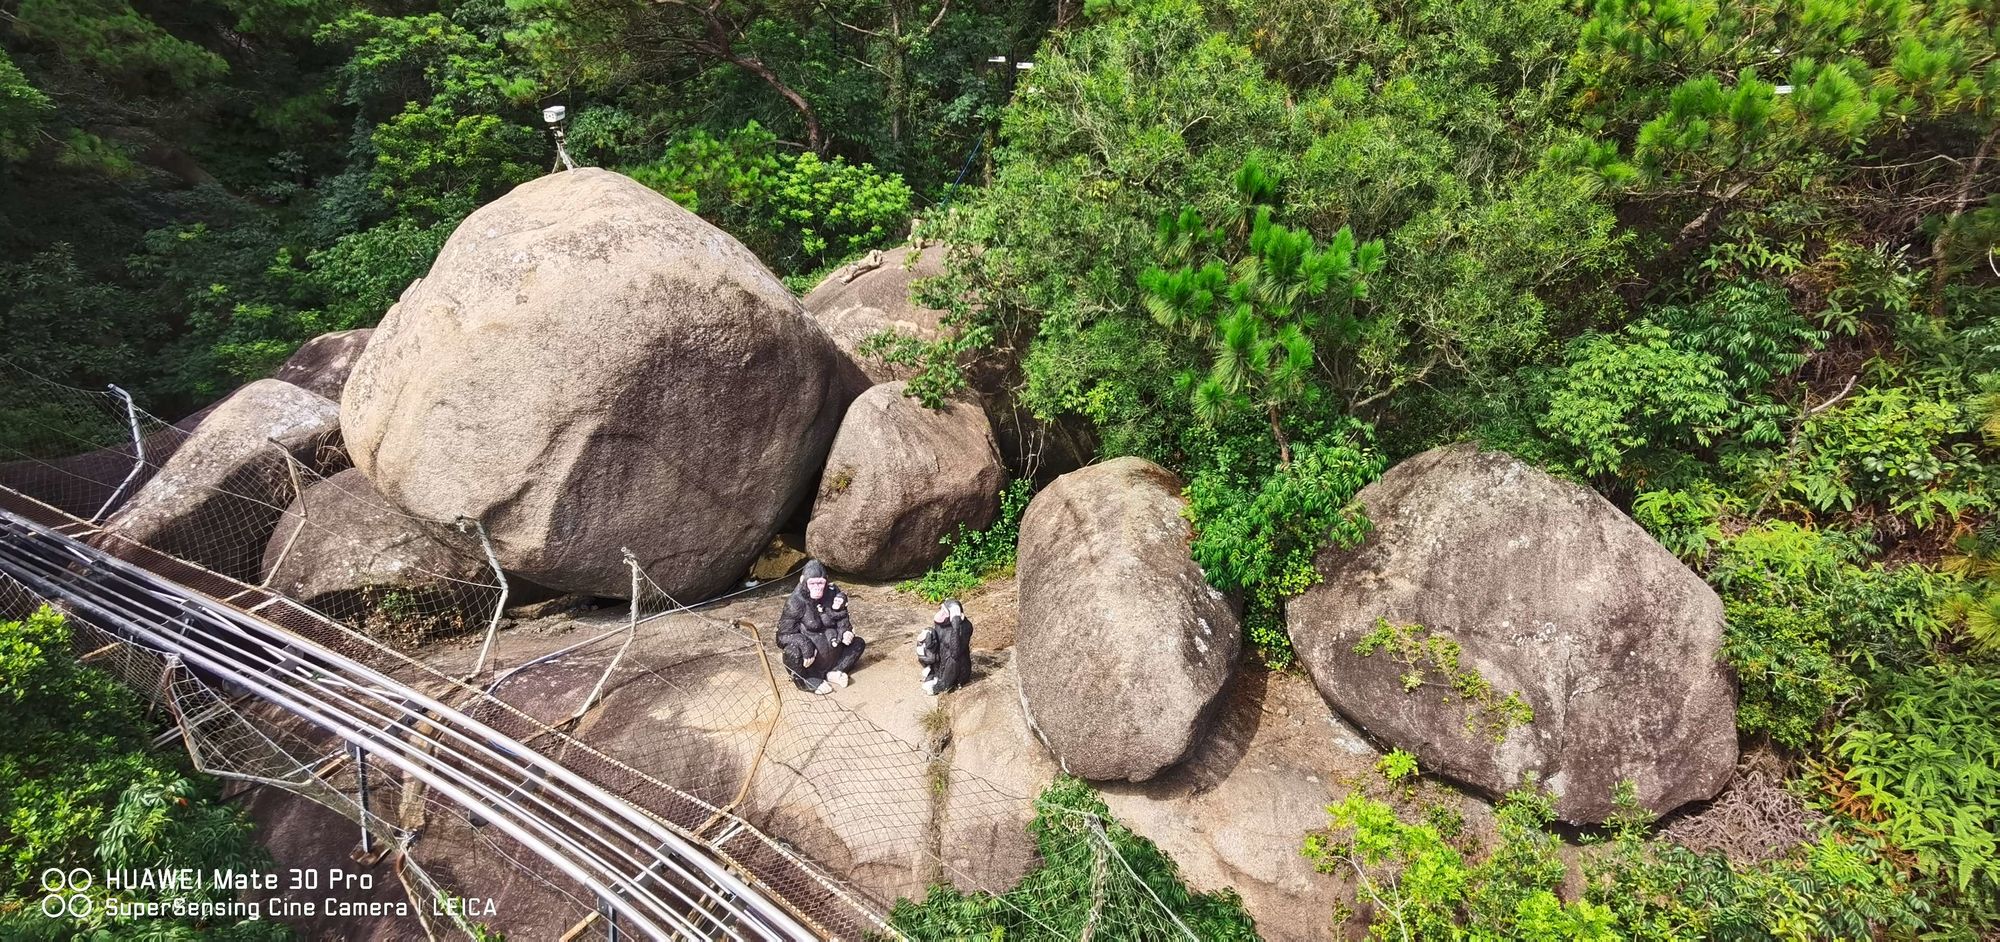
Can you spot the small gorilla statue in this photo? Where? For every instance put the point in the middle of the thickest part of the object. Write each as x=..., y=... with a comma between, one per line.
x=816, y=633
x=945, y=649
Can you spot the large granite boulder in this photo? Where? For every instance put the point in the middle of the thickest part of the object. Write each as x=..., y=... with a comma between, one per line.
x=589, y=367
x=322, y=365
x=1123, y=645
x=1550, y=593
x=901, y=478
x=215, y=501
x=340, y=545
x=871, y=295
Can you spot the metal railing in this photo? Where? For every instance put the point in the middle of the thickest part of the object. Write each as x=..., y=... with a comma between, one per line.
x=647, y=876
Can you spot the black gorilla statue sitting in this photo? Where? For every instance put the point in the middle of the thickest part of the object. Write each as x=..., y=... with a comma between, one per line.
x=816, y=633
x=945, y=649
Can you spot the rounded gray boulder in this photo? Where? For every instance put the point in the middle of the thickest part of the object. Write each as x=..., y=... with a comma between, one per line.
x=589, y=367
x=901, y=478
x=215, y=501
x=323, y=363
x=340, y=546
x=1549, y=593
x=1123, y=646
x=866, y=297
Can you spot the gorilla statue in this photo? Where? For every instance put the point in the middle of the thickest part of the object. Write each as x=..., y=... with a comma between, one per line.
x=816, y=633
x=945, y=649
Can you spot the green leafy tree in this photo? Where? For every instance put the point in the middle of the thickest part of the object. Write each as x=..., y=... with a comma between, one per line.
x=1266, y=301
x=433, y=163
x=82, y=789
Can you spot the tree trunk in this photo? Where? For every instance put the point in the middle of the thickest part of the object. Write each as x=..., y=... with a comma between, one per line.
x=1278, y=432
x=814, y=139
x=721, y=43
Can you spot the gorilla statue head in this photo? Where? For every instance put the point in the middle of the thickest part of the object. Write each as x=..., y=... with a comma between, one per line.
x=813, y=579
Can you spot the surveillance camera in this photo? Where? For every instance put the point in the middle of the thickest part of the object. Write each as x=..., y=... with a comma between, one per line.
x=554, y=114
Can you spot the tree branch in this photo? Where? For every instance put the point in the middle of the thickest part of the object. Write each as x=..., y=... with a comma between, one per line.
x=1959, y=201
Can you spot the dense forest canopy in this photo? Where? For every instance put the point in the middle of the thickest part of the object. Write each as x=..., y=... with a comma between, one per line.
x=1731, y=264
x=193, y=189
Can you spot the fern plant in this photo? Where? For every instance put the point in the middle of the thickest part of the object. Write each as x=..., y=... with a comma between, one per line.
x=1924, y=768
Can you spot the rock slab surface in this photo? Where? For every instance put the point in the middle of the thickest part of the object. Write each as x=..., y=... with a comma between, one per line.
x=872, y=295
x=323, y=364
x=349, y=543
x=1549, y=591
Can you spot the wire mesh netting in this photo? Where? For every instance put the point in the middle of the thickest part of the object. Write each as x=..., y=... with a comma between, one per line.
x=80, y=451
x=705, y=703
x=237, y=738
x=689, y=717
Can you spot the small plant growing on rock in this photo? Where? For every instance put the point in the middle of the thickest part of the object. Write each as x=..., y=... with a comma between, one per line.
x=1431, y=659
x=839, y=481
x=1419, y=886
x=1396, y=765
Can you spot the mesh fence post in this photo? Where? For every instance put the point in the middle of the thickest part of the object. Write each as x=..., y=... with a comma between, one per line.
x=138, y=454
x=499, y=605
x=361, y=795
x=299, y=494
x=609, y=911
x=631, y=634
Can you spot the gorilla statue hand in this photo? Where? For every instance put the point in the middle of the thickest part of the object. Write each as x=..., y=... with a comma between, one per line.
x=847, y=637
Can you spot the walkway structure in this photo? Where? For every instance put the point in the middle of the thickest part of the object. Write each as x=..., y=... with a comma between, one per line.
x=656, y=863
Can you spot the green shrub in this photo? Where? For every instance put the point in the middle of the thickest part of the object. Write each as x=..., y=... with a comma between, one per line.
x=1975, y=602
x=1774, y=580
x=799, y=212
x=1756, y=338
x=1258, y=536
x=1923, y=761
x=978, y=555
x=1686, y=521
x=436, y=164
x=1096, y=879
x=1808, y=628
x=1422, y=887
x=80, y=787
x=1623, y=398
x=1889, y=446
x=1396, y=765
x=1833, y=888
